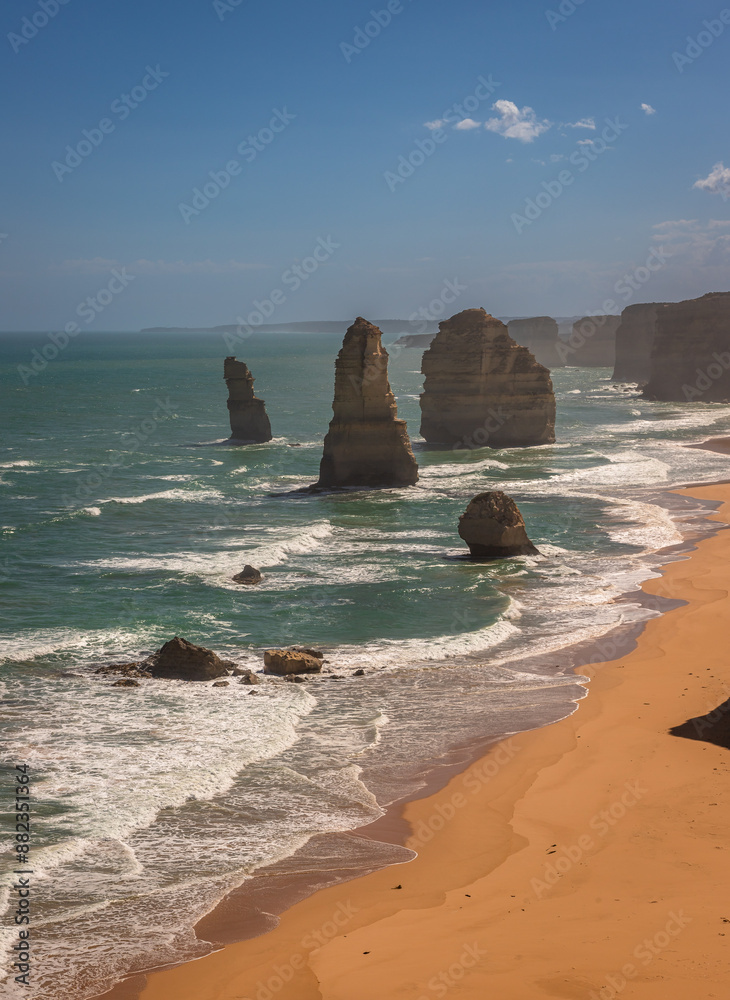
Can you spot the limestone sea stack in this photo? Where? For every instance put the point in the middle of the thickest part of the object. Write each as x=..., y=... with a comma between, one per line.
x=366, y=445
x=592, y=343
x=634, y=342
x=494, y=528
x=482, y=389
x=249, y=422
x=539, y=335
x=690, y=360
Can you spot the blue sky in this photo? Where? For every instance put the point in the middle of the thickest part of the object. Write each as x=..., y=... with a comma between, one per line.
x=347, y=116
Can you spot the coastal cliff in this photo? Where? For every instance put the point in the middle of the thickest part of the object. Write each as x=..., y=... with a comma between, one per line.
x=483, y=389
x=366, y=445
x=690, y=359
x=592, y=343
x=249, y=422
x=634, y=341
x=539, y=335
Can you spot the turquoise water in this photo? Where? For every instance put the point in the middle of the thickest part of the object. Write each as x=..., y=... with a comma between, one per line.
x=123, y=519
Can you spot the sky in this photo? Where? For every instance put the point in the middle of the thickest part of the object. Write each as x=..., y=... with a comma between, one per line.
x=201, y=162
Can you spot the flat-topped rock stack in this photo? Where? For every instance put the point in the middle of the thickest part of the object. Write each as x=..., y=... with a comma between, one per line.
x=366, y=445
x=592, y=343
x=690, y=360
x=249, y=422
x=482, y=389
x=634, y=342
x=539, y=335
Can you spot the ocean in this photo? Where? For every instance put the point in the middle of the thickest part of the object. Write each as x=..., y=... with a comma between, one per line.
x=123, y=519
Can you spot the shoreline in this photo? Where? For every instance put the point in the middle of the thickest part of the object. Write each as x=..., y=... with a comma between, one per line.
x=222, y=925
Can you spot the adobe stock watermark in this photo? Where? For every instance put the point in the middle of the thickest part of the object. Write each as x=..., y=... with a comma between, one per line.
x=88, y=309
x=249, y=148
x=697, y=47
x=30, y=26
x=292, y=278
x=225, y=7
x=626, y=287
x=440, y=984
x=645, y=952
x=122, y=108
x=450, y=292
x=363, y=36
x=283, y=972
x=706, y=377
x=425, y=148
x=582, y=158
x=601, y=824
x=566, y=9
x=475, y=779
x=132, y=440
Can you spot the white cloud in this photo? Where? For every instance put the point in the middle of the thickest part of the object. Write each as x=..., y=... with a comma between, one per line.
x=516, y=123
x=557, y=157
x=100, y=265
x=586, y=142
x=583, y=123
x=648, y=109
x=717, y=181
x=437, y=123
x=466, y=124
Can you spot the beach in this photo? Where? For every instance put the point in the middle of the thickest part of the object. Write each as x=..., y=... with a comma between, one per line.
x=583, y=859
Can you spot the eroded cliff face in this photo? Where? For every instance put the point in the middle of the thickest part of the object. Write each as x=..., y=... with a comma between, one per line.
x=366, y=445
x=540, y=336
x=634, y=341
x=592, y=343
x=482, y=389
x=690, y=359
x=249, y=422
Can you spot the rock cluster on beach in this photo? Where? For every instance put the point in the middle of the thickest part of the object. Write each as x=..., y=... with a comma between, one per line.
x=592, y=343
x=634, y=342
x=539, y=334
x=181, y=660
x=481, y=388
x=493, y=527
x=690, y=358
x=249, y=422
x=366, y=445
x=291, y=661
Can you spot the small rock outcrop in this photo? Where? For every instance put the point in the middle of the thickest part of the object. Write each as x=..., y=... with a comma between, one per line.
x=634, y=342
x=690, y=360
x=290, y=661
x=483, y=389
x=249, y=576
x=366, y=445
x=125, y=669
x=249, y=422
x=126, y=682
x=181, y=660
x=493, y=527
x=540, y=335
x=414, y=340
x=592, y=343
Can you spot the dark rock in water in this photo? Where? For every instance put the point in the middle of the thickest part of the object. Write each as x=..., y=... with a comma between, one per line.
x=247, y=676
x=421, y=340
x=295, y=678
x=366, y=444
x=126, y=682
x=290, y=661
x=359, y=673
x=249, y=422
x=125, y=669
x=221, y=684
x=493, y=527
x=182, y=660
x=634, y=343
x=711, y=728
x=249, y=576
x=690, y=360
x=481, y=389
